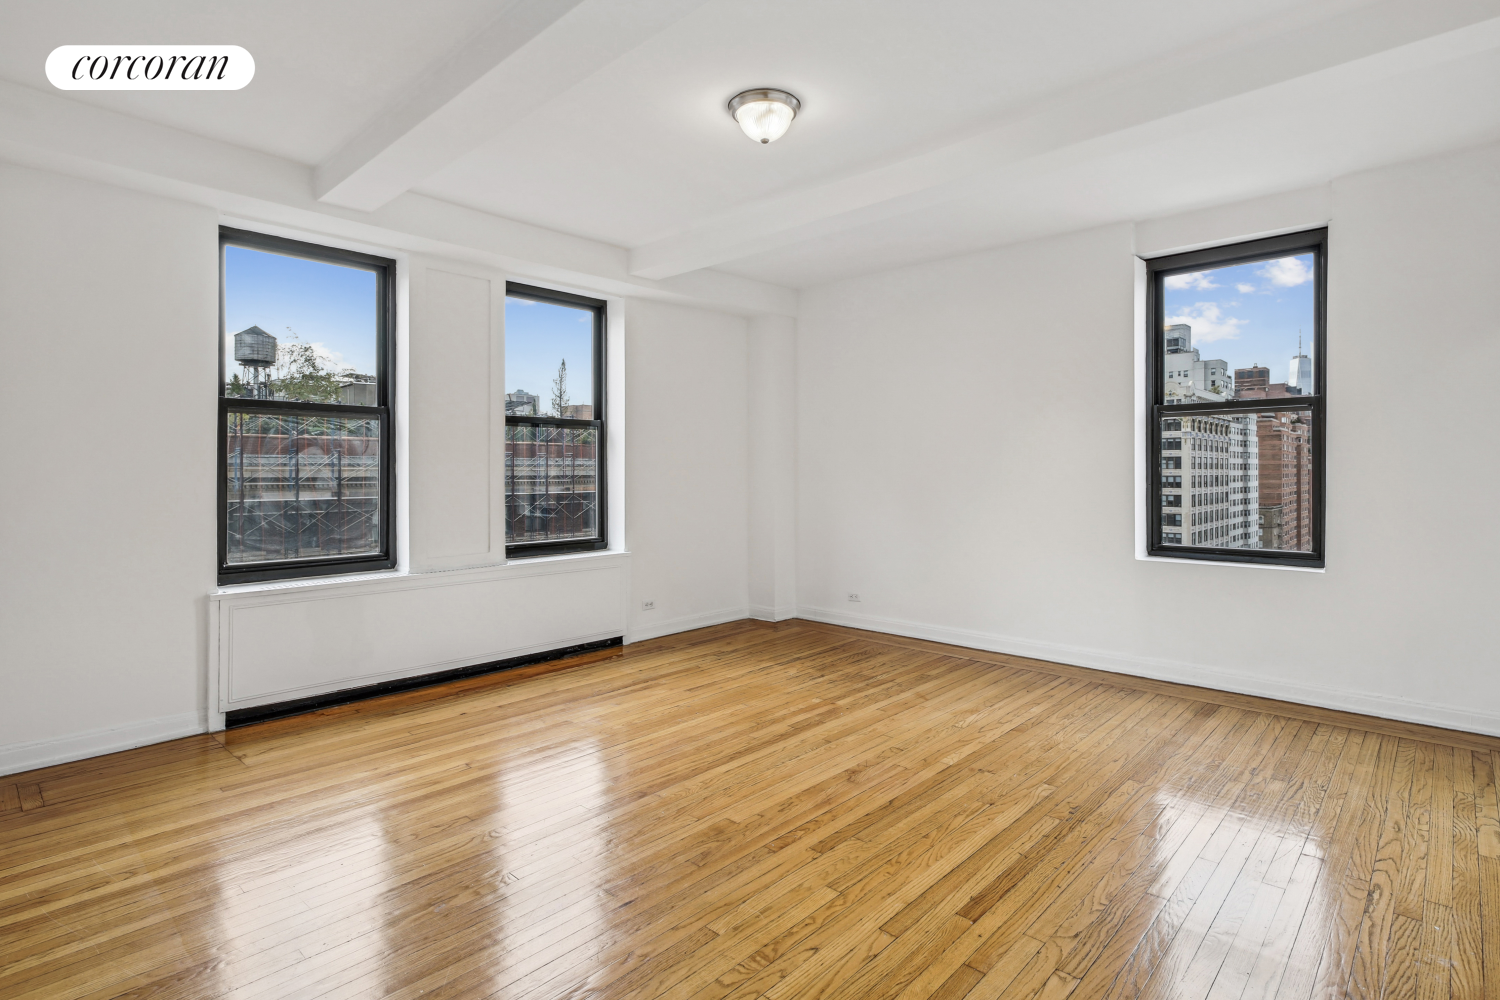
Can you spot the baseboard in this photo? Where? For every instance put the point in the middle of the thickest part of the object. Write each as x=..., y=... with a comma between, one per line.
x=766, y=613
x=97, y=742
x=687, y=623
x=1177, y=672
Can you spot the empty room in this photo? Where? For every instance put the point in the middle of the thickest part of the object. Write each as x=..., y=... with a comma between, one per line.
x=749, y=500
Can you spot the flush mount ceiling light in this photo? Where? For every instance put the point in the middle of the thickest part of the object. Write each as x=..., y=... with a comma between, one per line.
x=764, y=115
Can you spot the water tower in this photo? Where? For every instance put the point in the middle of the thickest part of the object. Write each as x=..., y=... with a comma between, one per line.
x=255, y=349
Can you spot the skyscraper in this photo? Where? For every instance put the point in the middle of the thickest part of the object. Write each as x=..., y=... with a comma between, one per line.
x=1300, y=374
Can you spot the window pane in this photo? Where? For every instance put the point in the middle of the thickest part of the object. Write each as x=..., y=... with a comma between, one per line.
x=550, y=485
x=549, y=359
x=302, y=487
x=1240, y=332
x=1245, y=480
x=299, y=329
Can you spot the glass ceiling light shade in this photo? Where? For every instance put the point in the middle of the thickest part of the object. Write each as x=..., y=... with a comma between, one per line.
x=764, y=115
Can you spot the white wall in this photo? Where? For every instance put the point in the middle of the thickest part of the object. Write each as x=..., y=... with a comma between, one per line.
x=686, y=452
x=112, y=630
x=108, y=320
x=773, y=467
x=969, y=492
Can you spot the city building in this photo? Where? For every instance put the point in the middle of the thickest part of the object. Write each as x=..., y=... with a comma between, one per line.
x=359, y=392
x=1210, y=470
x=1300, y=371
x=1189, y=378
x=1254, y=377
x=1209, y=462
x=521, y=404
x=1285, y=497
x=1285, y=457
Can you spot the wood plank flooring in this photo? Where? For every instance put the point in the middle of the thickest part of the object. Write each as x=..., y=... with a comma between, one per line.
x=773, y=811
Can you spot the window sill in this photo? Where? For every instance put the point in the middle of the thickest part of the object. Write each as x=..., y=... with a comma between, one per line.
x=400, y=578
x=1238, y=565
x=562, y=557
x=311, y=581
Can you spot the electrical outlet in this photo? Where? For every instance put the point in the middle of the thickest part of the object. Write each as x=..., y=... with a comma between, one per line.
x=854, y=598
x=648, y=605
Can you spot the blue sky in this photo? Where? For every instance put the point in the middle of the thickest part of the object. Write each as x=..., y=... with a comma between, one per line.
x=329, y=306
x=538, y=335
x=1247, y=314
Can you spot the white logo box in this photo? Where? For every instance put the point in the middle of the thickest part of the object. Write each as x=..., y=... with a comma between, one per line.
x=150, y=67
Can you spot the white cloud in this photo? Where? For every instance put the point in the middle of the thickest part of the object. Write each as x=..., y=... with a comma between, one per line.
x=1208, y=322
x=1288, y=272
x=1244, y=289
x=1198, y=281
x=333, y=358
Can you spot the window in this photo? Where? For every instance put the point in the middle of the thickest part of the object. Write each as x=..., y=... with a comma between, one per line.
x=304, y=409
x=1225, y=322
x=554, y=422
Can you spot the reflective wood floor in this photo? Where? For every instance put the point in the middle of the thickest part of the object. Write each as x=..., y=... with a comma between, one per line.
x=767, y=811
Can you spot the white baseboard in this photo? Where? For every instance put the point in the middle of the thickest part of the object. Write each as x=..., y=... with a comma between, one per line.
x=1237, y=682
x=766, y=613
x=96, y=742
x=654, y=630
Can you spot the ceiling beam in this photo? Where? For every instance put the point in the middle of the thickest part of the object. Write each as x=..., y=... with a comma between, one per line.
x=534, y=51
x=1179, y=94
x=51, y=132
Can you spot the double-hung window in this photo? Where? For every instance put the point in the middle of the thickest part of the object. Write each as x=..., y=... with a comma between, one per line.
x=554, y=422
x=305, y=470
x=1235, y=377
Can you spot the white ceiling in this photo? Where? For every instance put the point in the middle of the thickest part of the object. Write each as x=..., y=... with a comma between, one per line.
x=928, y=129
x=645, y=147
x=322, y=68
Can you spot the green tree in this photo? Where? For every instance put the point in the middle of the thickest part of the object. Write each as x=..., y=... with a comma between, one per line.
x=560, y=389
x=300, y=374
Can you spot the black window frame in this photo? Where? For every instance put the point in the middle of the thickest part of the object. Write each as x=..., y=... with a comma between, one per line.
x=385, y=323
x=1314, y=241
x=531, y=550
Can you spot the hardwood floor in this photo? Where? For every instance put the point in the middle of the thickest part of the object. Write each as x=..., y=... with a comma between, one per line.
x=788, y=811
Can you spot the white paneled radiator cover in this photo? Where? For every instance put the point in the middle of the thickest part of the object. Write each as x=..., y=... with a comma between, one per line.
x=280, y=643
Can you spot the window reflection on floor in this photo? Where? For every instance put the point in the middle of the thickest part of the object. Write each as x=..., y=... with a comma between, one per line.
x=550, y=846
x=269, y=924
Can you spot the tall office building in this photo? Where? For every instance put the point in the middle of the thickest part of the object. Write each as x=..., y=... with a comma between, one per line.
x=1210, y=462
x=1285, y=514
x=1284, y=458
x=1300, y=372
x=1210, y=480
